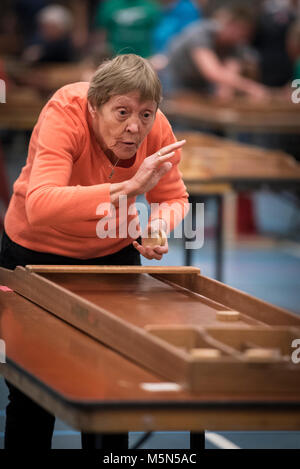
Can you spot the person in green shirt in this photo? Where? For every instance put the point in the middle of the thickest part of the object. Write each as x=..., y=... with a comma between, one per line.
x=128, y=25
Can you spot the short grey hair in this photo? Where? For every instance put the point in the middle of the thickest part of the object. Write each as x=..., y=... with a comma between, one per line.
x=121, y=75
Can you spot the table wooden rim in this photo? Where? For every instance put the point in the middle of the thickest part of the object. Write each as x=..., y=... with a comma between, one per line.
x=99, y=404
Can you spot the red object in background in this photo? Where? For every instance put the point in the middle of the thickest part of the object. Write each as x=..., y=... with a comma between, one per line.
x=3, y=75
x=245, y=215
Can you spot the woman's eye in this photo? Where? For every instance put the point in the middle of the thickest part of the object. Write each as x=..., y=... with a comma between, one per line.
x=147, y=115
x=122, y=112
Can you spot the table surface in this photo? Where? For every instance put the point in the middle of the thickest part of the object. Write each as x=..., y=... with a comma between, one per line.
x=206, y=158
x=31, y=88
x=239, y=114
x=21, y=110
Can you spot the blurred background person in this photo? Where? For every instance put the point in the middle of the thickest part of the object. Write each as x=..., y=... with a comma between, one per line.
x=19, y=22
x=175, y=16
x=208, y=56
x=53, y=42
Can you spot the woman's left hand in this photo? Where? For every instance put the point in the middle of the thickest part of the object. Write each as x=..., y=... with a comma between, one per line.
x=154, y=241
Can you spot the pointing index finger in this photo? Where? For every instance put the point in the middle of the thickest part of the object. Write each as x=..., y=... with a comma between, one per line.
x=173, y=146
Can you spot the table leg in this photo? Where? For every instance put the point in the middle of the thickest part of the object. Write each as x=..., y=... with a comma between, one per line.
x=188, y=252
x=197, y=440
x=107, y=441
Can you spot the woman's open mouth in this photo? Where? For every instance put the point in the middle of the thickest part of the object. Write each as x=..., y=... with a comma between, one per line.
x=129, y=145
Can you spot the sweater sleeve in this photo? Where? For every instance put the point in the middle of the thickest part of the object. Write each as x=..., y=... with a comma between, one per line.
x=49, y=199
x=169, y=198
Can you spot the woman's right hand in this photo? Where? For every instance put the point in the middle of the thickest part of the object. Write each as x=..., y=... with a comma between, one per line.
x=152, y=169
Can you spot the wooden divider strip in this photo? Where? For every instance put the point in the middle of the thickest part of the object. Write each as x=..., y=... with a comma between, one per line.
x=118, y=269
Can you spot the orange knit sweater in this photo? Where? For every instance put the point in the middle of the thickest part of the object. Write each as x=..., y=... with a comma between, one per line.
x=55, y=202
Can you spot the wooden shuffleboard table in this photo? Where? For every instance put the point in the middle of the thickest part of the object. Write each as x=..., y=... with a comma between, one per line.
x=21, y=110
x=240, y=114
x=117, y=349
x=31, y=89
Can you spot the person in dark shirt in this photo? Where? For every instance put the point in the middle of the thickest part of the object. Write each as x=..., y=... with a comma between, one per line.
x=276, y=66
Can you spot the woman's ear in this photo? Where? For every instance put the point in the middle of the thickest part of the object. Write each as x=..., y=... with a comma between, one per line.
x=92, y=110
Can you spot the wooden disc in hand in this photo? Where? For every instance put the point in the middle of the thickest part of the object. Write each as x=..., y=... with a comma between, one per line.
x=158, y=238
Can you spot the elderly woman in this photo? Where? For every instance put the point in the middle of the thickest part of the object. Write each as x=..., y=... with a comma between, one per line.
x=95, y=147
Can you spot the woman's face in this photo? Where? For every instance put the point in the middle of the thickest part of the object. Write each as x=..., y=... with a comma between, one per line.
x=121, y=124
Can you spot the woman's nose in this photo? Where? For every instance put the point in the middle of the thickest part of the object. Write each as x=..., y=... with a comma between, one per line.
x=132, y=126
